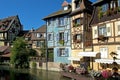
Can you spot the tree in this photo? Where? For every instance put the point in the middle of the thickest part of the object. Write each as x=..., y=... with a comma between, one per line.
x=43, y=49
x=19, y=56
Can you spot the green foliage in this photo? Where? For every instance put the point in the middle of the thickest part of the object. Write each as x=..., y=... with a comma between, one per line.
x=34, y=65
x=100, y=13
x=61, y=42
x=43, y=50
x=19, y=57
x=32, y=52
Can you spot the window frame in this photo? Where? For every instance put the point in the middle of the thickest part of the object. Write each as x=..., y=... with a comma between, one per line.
x=101, y=32
x=105, y=54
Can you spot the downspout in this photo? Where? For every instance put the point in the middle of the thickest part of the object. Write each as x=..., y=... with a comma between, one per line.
x=94, y=9
x=46, y=49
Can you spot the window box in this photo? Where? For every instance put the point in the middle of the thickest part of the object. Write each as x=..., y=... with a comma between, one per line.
x=102, y=38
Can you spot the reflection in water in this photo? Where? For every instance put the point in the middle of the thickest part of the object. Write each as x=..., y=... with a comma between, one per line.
x=28, y=74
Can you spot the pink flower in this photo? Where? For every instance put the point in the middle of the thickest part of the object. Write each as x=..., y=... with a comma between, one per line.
x=106, y=73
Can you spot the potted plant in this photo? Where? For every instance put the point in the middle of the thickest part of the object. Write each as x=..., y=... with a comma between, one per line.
x=61, y=42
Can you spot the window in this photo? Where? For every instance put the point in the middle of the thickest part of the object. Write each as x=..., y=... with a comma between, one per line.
x=104, y=52
x=49, y=37
x=95, y=32
x=40, y=43
x=49, y=22
x=77, y=38
x=62, y=52
x=118, y=52
x=61, y=36
x=77, y=3
x=77, y=21
x=39, y=35
x=102, y=30
x=65, y=8
x=118, y=29
x=61, y=21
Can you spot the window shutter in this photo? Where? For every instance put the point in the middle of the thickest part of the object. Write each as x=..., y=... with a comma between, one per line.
x=58, y=52
x=118, y=29
x=108, y=29
x=66, y=20
x=52, y=36
x=66, y=51
x=47, y=37
x=57, y=37
x=95, y=32
x=118, y=52
x=103, y=52
x=66, y=36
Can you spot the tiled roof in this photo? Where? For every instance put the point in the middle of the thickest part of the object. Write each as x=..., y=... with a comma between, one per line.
x=41, y=29
x=58, y=13
x=65, y=3
x=5, y=23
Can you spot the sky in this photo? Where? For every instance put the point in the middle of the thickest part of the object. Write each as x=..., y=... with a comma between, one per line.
x=30, y=12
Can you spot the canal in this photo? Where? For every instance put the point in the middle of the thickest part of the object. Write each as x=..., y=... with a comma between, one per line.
x=7, y=73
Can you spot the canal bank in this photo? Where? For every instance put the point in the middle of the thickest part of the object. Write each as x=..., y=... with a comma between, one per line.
x=7, y=73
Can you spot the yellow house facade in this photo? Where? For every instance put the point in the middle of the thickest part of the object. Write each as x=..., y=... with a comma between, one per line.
x=106, y=34
x=80, y=32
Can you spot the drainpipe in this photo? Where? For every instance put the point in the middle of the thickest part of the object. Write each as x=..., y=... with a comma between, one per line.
x=46, y=49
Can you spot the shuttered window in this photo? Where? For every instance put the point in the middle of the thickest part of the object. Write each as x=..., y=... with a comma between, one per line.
x=118, y=52
x=66, y=36
x=95, y=32
x=63, y=52
x=104, y=52
x=119, y=29
x=109, y=32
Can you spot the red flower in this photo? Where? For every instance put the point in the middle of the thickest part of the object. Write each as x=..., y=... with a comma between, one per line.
x=106, y=73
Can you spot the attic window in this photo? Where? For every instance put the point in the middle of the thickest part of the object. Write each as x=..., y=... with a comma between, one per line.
x=65, y=7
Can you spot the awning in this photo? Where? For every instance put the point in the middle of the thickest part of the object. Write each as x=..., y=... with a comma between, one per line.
x=87, y=54
x=74, y=59
x=108, y=61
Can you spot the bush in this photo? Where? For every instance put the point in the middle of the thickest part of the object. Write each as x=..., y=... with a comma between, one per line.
x=34, y=65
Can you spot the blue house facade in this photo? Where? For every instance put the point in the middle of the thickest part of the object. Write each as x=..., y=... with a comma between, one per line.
x=58, y=33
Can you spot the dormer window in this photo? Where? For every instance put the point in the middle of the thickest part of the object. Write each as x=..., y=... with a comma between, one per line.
x=65, y=7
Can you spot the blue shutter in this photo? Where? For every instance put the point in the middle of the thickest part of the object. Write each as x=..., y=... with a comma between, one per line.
x=66, y=36
x=66, y=52
x=52, y=36
x=57, y=37
x=58, y=52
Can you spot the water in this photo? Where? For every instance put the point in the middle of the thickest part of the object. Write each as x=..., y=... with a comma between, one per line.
x=7, y=73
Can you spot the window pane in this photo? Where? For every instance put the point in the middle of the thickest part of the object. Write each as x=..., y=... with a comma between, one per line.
x=61, y=36
x=102, y=31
